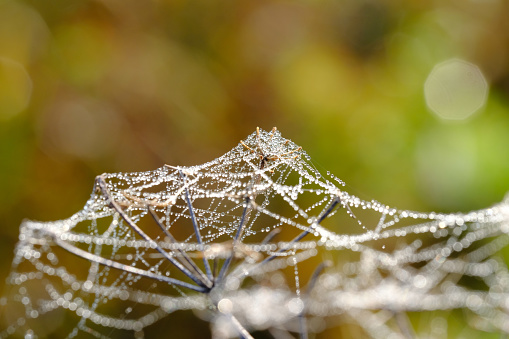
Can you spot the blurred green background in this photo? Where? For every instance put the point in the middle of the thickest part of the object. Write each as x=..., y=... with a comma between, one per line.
x=88, y=87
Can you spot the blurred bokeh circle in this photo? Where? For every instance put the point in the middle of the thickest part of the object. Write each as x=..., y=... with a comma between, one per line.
x=15, y=88
x=455, y=89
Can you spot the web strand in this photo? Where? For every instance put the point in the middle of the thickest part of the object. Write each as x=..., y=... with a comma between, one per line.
x=225, y=239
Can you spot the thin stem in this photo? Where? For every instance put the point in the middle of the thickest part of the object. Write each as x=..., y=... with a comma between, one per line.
x=312, y=281
x=243, y=333
x=242, y=221
x=195, y=225
x=314, y=277
x=298, y=238
x=404, y=325
x=228, y=260
x=303, y=326
x=271, y=235
x=329, y=210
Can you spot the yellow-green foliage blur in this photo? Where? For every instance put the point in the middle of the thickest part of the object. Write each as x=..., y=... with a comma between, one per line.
x=88, y=87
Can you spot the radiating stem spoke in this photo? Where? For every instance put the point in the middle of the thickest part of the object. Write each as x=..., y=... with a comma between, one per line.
x=298, y=238
x=242, y=222
x=114, y=264
x=187, y=261
x=196, y=226
x=118, y=209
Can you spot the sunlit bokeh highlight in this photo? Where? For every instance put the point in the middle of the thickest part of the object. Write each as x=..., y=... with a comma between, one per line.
x=455, y=89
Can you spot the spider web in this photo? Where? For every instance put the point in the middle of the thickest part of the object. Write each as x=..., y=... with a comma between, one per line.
x=235, y=240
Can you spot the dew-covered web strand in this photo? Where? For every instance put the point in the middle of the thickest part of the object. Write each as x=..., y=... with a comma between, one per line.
x=255, y=214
